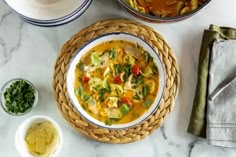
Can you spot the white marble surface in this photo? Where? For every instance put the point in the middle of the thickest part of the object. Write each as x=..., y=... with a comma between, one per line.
x=30, y=52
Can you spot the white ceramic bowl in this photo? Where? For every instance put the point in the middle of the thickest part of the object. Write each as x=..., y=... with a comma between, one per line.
x=23, y=128
x=58, y=23
x=46, y=11
x=70, y=78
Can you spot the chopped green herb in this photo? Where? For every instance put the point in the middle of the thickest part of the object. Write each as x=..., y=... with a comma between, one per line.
x=145, y=90
x=80, y=65
x=137, y=79
x=108, y=122
x=117, y=68
x=97, y=87
x=147, y=103
x=85, y=97
x=147, y=56
x=137, y=97
x=127, y=69
x=19, y=97
x=79, y=91
x=113, y=53
x=124, y=109
x=101, y=94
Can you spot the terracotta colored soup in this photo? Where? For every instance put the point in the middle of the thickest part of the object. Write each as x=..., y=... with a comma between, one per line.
x=117, y=82
x=165, y=8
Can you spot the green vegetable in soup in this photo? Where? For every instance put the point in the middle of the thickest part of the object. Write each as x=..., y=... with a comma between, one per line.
x=95, y=59
x=147, y=72
x=147, y=103
x=146, y=56
x=113, y=53
x=129, y=59
x=81, y=66
x=137, y=96
x=124, y=109
x=108, y=122
x=79, y=91
x=145, y=90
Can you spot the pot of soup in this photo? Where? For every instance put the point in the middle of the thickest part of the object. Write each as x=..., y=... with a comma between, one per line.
x=116, y=81
x=163, y=10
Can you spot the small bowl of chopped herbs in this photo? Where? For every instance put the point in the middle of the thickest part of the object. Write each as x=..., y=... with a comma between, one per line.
x=18, y=96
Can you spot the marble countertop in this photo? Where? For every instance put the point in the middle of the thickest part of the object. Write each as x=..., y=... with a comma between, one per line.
x=30, y=52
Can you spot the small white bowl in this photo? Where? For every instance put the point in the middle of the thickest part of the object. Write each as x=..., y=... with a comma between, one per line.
x=23, y=128
x=70, y=78
x=46, y=10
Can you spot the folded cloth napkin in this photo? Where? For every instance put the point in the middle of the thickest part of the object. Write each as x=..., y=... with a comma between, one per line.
x=197, y=123
x=221, y=112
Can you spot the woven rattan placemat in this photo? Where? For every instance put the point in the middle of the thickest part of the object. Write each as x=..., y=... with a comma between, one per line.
x=123, y=135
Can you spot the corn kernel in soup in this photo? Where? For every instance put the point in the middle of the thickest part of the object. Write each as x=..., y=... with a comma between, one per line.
x=116, y=82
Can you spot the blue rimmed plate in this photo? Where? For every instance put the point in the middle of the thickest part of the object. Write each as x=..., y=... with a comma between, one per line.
x=59, y=23
x=47, y=11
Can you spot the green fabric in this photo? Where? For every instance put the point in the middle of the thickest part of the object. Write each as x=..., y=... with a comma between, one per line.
x=197, y=124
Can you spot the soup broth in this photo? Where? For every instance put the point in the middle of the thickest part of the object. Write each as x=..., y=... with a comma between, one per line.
x=116, y=82
x=165, y=8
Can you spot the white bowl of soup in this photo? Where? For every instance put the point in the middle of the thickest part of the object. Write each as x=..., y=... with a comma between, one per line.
x=116, y=80
x=157, y=11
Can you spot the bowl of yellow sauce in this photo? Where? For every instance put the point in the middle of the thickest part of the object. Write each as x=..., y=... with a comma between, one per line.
x=39, y=136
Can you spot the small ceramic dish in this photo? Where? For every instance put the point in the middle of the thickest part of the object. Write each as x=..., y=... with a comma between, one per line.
x=70, y=78
x=21, y=132
x=6, y=86
x=156, y=19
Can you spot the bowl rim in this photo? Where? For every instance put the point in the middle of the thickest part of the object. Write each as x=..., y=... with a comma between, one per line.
x=110, y=127
x=7, y=84
x=51, y=20
x=149, y=17
x=59, y=23
x=27, y=123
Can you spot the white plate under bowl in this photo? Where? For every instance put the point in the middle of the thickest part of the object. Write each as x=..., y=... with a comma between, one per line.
x=70, y=78
x=58, y=23
x=46, y=10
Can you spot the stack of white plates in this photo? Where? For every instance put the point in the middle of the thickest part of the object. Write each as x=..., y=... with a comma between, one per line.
x=48, y=13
